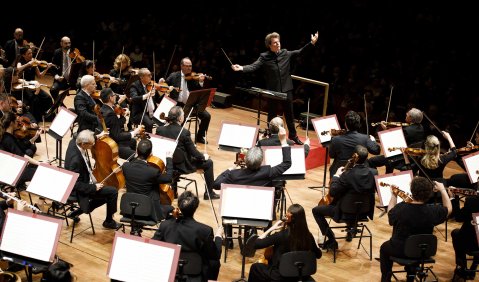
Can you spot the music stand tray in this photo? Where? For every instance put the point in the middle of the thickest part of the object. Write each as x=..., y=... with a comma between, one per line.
x=197, y=100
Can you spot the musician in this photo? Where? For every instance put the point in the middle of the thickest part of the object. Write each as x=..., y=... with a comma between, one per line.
x=88, y=67
x=180, y=80
x=193, y=236
x=90, y=193
x=357, y=180
x=414, y=135
x=292, y=235
x=5, y=105
x=116, y=124
x=141, y=98
x=12, y=47
x=342, y=147
x=64, y=63
x=84, y=105
x=276, y=67
x=406, y=222
x=186, y=158
x=144, y=179
x=121, y=73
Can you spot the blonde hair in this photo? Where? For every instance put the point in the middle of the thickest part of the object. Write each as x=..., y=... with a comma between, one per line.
x=431, y=159
x=118, y=62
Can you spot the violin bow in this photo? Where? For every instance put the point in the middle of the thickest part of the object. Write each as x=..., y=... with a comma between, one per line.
x=117, y=169
x=307, y=119
x=93, y=57
x=121, y=62
x=171, y=59
x=152, y=89
x=422, y=170
x=437, y=128
x=474, y=131
x=45, y=136
x=389, y=103
x=39, y=48
x=366, y=113
x=227, y=56
x=183, y=127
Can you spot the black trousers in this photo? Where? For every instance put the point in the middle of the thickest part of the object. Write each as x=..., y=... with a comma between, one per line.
x=463, y=243
x=387, y=250
x=288, y=112
x=207, y=167
x=320, y=213
x=107, y=195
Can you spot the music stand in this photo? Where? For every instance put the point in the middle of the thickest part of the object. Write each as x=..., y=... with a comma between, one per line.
x=323, y=127
x=392, y=139
x=234, y=136
x=471, y=163
x=9, y=174
x=197, y=100
x=59, y=127
x=57, y=103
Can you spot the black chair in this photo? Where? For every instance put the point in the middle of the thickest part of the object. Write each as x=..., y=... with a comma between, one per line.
x=470, y=271
x=419, y=250
x=189, y=267
x=355, y=208
x=180, y=177
x=298, y=264
x=72, y=206
x=137, y=212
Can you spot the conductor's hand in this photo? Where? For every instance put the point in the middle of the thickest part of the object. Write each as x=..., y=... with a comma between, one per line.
x=237, y=67
x=314, y=38
x=99, y=186
x=282, y=136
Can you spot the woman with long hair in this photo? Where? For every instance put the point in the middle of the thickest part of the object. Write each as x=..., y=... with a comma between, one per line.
x=293, y=235
x=433, y=162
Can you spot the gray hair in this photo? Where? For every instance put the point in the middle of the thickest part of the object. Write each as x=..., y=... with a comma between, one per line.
x=415, y=115
x=143, y=71
x=275, y=124
x=254, y=158
x=86, y=79
x=175, y=114
x=85, y=136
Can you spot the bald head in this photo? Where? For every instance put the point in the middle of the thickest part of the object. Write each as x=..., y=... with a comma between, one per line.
x=65, y=43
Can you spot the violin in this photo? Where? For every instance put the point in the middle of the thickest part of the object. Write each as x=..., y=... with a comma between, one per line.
x=268, y=251
x=102, y=77
x=42, y=64
x=75, y=54
x=176, y=213
x=119, y=111
x=418, y=152
x=196, y=76
x=467, y=150
x=240, y=158
x=25, y=129
x=334, y=132
x=391, y=123
x=160, y=87
x=33, y=85
x=398, y=192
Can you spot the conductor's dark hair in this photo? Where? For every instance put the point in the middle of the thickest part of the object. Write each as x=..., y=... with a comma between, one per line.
x=353, y=120
x=144, y=149
x=188, y=203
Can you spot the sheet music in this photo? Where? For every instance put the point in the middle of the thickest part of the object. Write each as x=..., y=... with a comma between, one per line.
x=30, y=235
x=274, y=156
x=323, y=126
x=402, y=180
x=164, y=107
x=52, y=182
x=471, y=162
x=238, y=135
x=392, y=138
x=62, y=122
x=259, y=201
x=161, y=145
x=10, y=173
x=134, y=260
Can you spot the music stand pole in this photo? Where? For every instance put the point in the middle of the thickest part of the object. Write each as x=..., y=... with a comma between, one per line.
x=243, y=259
x=325, y=170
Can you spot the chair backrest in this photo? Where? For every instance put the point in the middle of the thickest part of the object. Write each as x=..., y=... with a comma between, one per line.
x=143, y=209
x=420, y=246
x=297, y=264
x=355, y=203
x=190, y=263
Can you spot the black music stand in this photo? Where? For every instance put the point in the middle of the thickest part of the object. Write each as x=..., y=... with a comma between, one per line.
x=57, y=103
x=197, y=100
x=326, y=154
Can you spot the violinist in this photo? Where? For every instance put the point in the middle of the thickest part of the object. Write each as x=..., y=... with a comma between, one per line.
x=291, y=235
x=85, y=104
x=414, y=135
x=88, y=67
x=5, y=104
x=12, y=47
x=343, y=146
x=121, y=74
x=62, y=59
x=358, y=179
x=144, y=179
x=193, y=236
x=179, y=80
x=116, y=123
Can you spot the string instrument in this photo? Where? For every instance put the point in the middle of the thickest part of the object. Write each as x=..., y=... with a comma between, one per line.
x=334, y=132
x=75, y=55
x=102, y=77
x=166, y=192
x=418, y=152
x=105, y=153
x=176, y=213
x=463, y=191
x=42, y=64
x=96, y=95
x=398, y=192
x=25, y=129
x=196, y=76
x=33, y=84
x=268, y=251
x=391, y=123
x=119, y=110
x=467, y=150
x=240, y=158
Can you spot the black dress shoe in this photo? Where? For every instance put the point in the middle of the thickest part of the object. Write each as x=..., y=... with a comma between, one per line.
x=213, y=195
x=201, y=140
x=111, y=224
x=75, y=215
x=329, y=245
x=296, y=140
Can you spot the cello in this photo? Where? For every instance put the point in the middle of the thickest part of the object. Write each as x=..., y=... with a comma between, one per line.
x=105, y=153
x=167, y=195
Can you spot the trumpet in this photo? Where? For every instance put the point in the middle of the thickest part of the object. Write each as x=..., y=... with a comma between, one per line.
x=6, y=195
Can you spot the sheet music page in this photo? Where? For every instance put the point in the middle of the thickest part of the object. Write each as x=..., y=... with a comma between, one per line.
x=30, y=237
x=139, y=261
x=235, y=198
x=164, y=107
x=161, y=145
x=62, y=122
x=401, y=180
x=323, y=126
x=274, y=156
x=471, y=162
x=52, y=183
x=10, y=173
x=392, y=138
x=236, y=135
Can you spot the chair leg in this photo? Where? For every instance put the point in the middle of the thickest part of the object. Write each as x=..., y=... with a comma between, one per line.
x=91, y=222
x=73, y=231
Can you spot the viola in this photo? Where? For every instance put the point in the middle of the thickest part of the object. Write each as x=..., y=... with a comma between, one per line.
x=418, y=152
x=391, y=123
x=398, y=192
x=75, y=54
x=334, y=132
x=467, y=150
x=196, y=76
x=167, y=195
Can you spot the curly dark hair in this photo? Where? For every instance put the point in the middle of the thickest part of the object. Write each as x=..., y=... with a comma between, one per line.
x=421, y=189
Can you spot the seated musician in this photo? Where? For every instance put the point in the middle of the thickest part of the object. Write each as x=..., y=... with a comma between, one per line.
x=90, y=193
x=85, y=105
x=358, y=179
x=61, y=58
x=144, y=179
x=186, y=158
x=293, y=235
x=414, y=135
x=88, y=67
x=193, y=236
x=121, y=73
x=406, y=222
x=116, y=124
x=180, y=80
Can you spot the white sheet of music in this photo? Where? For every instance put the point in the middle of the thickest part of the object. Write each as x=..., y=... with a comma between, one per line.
x=135, y=260
x=161, y=145
x=237, y=135
x=29, y=235
x=52, y=182
x=164, y=107
x=274, y=156
x=323, y=126
x=12, y=167
x=258, y=200
x=475, y=220
x=62, y=122
x=402, y=180
x=471, y=163
x=392, y=138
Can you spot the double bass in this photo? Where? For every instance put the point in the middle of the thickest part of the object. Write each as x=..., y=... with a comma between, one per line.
x=105, y=153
